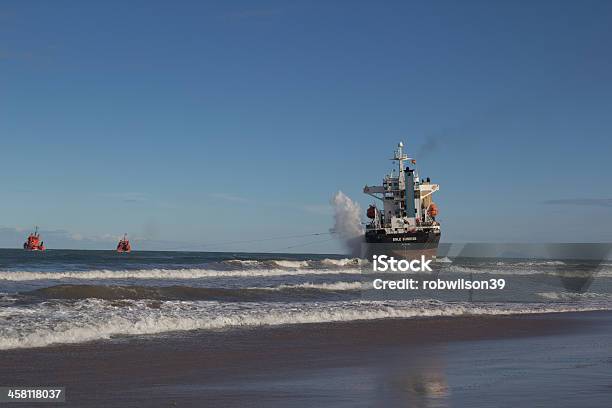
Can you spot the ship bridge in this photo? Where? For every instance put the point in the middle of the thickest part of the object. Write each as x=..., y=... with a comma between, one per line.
x=407, y=200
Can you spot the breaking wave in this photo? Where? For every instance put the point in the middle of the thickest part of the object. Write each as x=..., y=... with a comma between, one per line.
x=177, y=292
x=7, y=299
x=569, y=296
x=49, y=323
x=342, y=262
x=291, y=264
x=245, y=262
x=164, y=274
x=532, y=263
x=334, y=286
x=513, y=269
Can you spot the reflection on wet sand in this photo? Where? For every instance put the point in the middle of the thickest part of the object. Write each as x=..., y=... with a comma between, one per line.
x=422, y=383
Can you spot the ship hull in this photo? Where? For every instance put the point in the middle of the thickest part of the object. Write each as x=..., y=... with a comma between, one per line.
x=406, y=245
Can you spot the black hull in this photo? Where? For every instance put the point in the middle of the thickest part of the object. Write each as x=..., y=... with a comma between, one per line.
x=406, y=245
x=416, y=237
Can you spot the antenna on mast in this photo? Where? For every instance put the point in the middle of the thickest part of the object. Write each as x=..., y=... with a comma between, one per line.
x=400, y=156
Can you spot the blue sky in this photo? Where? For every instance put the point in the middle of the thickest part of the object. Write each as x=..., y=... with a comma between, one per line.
x=220, y=121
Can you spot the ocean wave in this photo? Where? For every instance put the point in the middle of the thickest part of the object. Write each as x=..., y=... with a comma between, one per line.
x=342, y=262
x=333, y=286
x=177, y=292
x=49, y=323
x=531, y=263
x=7, y=299
x=547, y=263
x=512, y=269
x=291, y=264
x=444, y=259
x=244, y=262
x=163, y=274
x=568, y=296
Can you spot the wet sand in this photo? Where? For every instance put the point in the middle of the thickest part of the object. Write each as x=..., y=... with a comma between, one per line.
x=553, y=360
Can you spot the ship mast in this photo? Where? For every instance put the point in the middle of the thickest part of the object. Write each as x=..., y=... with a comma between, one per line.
x=400, y=156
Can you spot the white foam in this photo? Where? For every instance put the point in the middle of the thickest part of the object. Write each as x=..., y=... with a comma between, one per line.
x=164, y=274
x=575, y=296
x=50, y=323
x=6, y=299
x=291, y=264
x=333, y=286
x=511, y=269
x=540, y=263
x=341, y=262
x=246, y=262
x=531, y=263
x=444, y=259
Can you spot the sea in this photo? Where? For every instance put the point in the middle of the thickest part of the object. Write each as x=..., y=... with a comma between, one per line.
x=71, y=296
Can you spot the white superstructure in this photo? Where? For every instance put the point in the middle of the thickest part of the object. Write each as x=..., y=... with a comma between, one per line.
x=407, y=200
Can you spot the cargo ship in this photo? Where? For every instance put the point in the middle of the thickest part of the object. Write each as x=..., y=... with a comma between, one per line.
x=405, y=225
x=124, y=244
x=34, y=243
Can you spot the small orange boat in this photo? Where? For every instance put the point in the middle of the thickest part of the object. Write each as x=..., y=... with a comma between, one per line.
x=34, y=243
x=124, y=245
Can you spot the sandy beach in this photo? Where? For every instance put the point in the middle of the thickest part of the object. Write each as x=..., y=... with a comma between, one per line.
x=553, y=360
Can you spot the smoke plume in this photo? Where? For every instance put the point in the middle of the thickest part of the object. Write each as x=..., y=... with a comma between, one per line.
x=347, y=217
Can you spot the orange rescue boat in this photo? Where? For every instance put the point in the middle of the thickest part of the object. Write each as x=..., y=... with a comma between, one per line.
x=34, y=243
x=124, y=245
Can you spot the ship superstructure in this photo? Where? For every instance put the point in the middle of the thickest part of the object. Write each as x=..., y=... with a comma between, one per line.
x=408, y=214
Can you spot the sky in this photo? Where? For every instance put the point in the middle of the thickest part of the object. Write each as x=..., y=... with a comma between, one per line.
x=193, y=124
